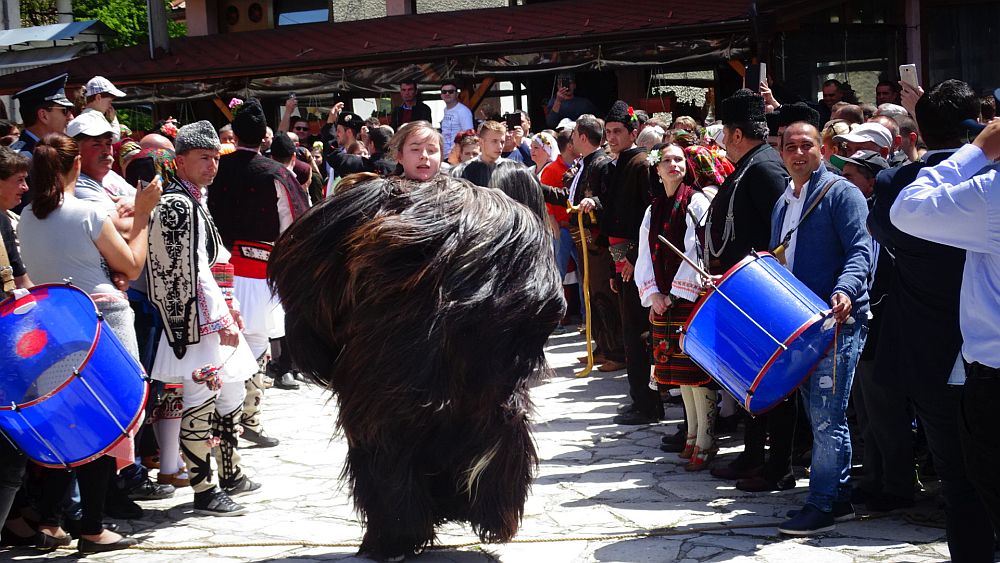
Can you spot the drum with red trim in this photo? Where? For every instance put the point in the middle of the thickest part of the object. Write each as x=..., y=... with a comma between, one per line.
x=759, y=333
x=69, y=390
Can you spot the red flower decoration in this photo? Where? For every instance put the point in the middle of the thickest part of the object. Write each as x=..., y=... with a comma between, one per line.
x=631, y=113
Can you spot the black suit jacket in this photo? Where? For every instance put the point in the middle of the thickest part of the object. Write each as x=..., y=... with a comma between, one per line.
x=920, y=337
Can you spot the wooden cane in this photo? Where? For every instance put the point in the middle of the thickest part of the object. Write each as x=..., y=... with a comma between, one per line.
x=586, y=292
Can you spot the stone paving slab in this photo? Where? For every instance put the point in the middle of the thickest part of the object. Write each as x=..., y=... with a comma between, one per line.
x=600, y=490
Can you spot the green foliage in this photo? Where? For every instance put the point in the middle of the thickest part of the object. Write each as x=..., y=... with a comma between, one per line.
x=126, y=17
x=38, y=12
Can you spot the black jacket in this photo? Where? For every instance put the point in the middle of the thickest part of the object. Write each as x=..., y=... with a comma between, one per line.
x=591, y=184
x=920, y=337
x=761, y=178
x=344, y=164
x=421, y=112
x=626, y=197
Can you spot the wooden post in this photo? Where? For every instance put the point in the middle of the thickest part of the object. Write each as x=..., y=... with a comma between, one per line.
x=223, y=108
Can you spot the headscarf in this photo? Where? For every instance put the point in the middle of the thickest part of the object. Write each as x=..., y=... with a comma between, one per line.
x=548, y=143
x=704, y=168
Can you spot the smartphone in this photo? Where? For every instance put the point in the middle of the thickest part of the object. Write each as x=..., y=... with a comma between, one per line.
x=756, y=74
x=513, y=120
x=908, y=74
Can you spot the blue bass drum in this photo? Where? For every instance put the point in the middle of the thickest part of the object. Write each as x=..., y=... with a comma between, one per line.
x=759, y=333
x=69, y=390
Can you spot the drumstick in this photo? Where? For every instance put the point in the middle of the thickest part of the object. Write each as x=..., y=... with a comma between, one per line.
x=690, y=262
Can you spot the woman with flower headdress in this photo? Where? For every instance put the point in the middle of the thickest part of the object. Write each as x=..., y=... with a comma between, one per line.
x=670, y=286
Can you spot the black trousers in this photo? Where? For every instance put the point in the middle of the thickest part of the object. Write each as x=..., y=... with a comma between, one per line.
x=979, y=429
x=93, y=478
x=605, y=314
x=780, y=423
x=12, y=463
x=886, y=418
x=635, y=322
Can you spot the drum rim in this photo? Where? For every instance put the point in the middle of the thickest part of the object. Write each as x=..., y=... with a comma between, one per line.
x=136, y=420
x=78, y=369
x=818, y=317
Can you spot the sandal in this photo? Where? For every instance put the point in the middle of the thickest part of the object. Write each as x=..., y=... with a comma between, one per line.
x=700, y=459
x=689, y=448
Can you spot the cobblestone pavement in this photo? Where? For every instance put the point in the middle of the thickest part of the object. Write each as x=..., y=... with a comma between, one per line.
x=600, y=490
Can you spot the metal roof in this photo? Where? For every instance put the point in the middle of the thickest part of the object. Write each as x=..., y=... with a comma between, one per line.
x=54, y=32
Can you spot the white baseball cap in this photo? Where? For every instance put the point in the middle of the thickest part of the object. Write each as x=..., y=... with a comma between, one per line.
x=867, y=132
x=89, y=123
x=101, y=85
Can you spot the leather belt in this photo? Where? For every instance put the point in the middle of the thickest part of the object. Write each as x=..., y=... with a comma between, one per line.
x=977, y=370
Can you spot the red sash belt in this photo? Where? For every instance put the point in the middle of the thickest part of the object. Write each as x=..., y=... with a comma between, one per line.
x=250, y=258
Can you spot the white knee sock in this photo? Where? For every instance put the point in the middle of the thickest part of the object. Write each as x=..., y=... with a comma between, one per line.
x=168, y=435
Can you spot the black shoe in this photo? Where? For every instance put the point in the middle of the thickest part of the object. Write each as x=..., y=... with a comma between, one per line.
x=842, y=512
x=625, y=409
x=46, y=542
x=215, y=502
x=886, y=502
x=148, y=490
x=259, y=438
x=679, y=437
x=286, y=381
x=759, y=484
x=299, y=376
x=727, y=424
x=9, y=539
x=122, y=509
x=72, y=527
x=242, y=486
x=672, y=448
x=808, y=521
x=634, y=418
x=87, y=546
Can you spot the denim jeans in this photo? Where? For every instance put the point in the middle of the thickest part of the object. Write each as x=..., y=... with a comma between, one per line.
x=825, y=394
x=565, y=249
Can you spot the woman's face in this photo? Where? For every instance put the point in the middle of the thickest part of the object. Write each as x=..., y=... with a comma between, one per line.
x=672, y=167
x=11, y=190
x=538, y=153
x=420, y=155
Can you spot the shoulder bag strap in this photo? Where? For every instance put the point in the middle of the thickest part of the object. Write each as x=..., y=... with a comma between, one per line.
x=6, y=271
x=822, y=193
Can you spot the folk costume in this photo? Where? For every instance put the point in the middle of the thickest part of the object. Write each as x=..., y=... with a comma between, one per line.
x=625, y=201
x=253, y=200
x=678, y=218
x=428, y=322
x=184, y=245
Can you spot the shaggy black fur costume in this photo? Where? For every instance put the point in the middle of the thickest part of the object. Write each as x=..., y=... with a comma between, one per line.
x=425, y=307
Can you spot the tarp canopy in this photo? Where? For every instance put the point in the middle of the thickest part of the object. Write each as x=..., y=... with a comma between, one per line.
x=373, y=55
x=54, y=32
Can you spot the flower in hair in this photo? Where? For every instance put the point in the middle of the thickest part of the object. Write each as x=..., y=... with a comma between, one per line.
x=654, y=157
x=235, y=104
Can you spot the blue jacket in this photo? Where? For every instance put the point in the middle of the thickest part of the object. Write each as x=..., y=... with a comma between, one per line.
x=833, y=250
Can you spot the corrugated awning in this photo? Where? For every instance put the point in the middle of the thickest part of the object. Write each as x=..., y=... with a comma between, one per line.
x=15, y=61
x=54, y=32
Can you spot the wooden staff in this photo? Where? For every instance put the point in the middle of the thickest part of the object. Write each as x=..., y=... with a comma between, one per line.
x=586, y=292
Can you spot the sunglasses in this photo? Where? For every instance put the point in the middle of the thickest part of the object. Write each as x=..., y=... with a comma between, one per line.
x=65, y=111
x=300, y=128
x=448, y=91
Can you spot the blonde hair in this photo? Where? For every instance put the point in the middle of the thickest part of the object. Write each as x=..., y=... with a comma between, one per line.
x=490, y=125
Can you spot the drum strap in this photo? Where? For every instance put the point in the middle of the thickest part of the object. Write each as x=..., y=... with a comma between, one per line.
x=779, y=251
x=6, y=271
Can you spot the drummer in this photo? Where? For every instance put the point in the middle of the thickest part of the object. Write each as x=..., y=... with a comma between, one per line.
x=819, y=224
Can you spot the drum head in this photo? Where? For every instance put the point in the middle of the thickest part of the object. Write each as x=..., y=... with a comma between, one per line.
x=44, y=337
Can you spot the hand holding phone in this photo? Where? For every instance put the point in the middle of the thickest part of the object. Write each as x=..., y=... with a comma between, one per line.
x=908, y=74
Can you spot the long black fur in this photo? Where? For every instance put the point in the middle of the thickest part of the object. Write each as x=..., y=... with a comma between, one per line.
x=425, y=307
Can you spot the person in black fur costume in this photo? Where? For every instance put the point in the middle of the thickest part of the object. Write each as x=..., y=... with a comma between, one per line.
x=425, y=307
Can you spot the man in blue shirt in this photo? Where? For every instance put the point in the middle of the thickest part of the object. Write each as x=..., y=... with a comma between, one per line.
x=832, y=255
x=957, y=203
x=566, y=104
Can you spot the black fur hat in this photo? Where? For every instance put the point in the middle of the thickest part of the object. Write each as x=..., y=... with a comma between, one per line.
x=622, y=113
x=743, y=106
x=799, y=111
x=249, y=124
x=772, y=120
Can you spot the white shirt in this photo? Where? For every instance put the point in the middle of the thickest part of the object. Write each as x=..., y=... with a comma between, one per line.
x=686, y=283
x=793, y=214
x=455, y=120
